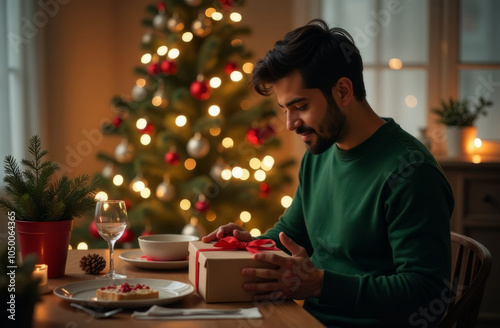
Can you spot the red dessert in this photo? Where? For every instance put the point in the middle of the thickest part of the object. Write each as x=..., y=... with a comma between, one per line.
x=126, y=292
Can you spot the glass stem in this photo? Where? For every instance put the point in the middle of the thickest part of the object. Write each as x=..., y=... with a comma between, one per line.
x=111, y=245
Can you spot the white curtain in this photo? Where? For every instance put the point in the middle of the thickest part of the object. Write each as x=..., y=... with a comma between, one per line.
x=19, y=77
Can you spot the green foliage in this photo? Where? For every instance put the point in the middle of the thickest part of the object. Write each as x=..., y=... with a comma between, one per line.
x=461, y=113
x=36, y=194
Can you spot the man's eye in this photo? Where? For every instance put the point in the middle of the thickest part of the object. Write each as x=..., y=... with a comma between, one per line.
x=301, y=108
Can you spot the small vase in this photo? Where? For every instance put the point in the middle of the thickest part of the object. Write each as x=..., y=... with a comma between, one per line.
x=460, y=140
x=48, y=240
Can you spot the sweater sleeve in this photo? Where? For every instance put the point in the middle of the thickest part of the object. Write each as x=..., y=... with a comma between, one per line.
x=418, y=203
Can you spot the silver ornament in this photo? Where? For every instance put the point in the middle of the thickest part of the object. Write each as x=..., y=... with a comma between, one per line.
x=198, y=147
x=193, y=3
x=217, y=168
x=107, y=171
x=165, y=191
x=124, y=152
x=160, y=22
x=147, y=37
x=139, y=93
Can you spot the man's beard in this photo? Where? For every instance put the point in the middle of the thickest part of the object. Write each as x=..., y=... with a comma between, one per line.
x=331, y=130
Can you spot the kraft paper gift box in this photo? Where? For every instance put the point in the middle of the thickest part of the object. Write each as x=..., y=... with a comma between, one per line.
x=219, y=271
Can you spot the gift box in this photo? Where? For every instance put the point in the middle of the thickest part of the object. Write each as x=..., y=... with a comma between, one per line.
x=215, y=268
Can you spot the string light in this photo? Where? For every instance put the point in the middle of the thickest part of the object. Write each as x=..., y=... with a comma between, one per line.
x=254, y=163
x=478, y=143
x=217, y=16
x=259, y=175
x=255, y=232
x=247, y=67
x=146, y=58
x=236, y=76
x=145, y=139
x=215, y=82
x=141, y=123
x=286, y=201
x=245, y=175
x=215, y=131
x=173, y=53
x=245, y=216
x=101, y=196
x=187, y=36
x=395, y=63
x=211, y=216
x=214, y=110
x=267, y=163
x=235, y=17
x=226, y=174
x=82, y=246
x=185, y=204
x=237, y=172
x=138, y=184
x=227, y=142
x=145, y=193
x=180, y=120
x=140, y=82
x=190, y=164
x=476, y=159
x=118, y=180
x=161, y=51
x=209, y=12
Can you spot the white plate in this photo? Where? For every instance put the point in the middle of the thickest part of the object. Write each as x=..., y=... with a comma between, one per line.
x=83, y=292
x=134, y=258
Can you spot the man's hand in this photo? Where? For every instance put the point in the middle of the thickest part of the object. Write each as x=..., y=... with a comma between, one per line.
x=230, y=229
x=296, y=277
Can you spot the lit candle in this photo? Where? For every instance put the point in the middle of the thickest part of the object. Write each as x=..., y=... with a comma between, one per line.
x=41, y=273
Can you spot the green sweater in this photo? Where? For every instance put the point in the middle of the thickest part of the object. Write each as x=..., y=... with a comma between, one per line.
x=376, y=220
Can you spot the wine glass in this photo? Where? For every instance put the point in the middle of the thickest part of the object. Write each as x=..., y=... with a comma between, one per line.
x=111, y=221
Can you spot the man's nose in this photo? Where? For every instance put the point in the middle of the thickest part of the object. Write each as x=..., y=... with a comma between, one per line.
x=292, y=121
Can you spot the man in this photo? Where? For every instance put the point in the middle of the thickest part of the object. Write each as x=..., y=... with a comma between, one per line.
x=368, y=228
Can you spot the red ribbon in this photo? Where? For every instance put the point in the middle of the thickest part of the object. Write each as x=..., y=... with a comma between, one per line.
x=230, y=243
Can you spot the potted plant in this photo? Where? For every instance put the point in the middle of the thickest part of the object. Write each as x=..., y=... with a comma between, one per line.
x=44, y=206
x=459, y=118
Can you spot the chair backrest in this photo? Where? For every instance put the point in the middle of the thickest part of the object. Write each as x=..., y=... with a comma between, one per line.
x=471, y=264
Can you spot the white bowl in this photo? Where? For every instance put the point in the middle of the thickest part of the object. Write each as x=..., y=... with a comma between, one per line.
x=166, y=247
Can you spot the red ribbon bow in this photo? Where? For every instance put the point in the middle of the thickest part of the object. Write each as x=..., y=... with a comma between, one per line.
x=230, y=243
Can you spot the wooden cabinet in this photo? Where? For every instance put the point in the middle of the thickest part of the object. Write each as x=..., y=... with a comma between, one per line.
x=476, y=188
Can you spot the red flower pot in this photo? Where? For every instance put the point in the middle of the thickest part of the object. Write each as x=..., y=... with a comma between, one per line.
x=48, y=240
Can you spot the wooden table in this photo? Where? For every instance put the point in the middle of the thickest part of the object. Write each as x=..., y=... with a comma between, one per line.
x=54, y=312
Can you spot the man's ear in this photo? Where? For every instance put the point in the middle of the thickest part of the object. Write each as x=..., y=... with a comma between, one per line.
x=344, y=91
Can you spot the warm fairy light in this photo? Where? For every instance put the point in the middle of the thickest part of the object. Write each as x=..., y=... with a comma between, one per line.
x=162, y=50
x=138, y=184
x=215, y=82
x=226, y=174
x=236, y=76
x=217, y=16
x=180, y=120
x=157, y=100
x=100, y=196
x=245, y=175
x=209, y=12
x=286, y=201
x=236, y=43
x=82, y=246
x=247, y=67
x=140, y=82
x=395, y=63
x=187, y=37
x=235, y=17
x=214, y=110
x=255, y=232
x=145, y=139
x=259, y=175
x=254, y=163
x=70, y=247
x=237, y=172
x=146, y=58
x=211, y=216
x=118, y=180
x=145, y=193
x=185, y=204
x=267, y=163
x=476, y=159
x=245, y=104
x=478, y=143
x=227, y=142
x=411, y=101
x=189, y=164
x=215, y=131
x=245, y=216
x=173, y=53
x=141, y=123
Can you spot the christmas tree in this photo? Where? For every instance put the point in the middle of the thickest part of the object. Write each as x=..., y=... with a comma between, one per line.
x=195, y=142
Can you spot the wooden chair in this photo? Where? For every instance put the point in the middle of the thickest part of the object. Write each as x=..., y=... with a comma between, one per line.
x=470, y=268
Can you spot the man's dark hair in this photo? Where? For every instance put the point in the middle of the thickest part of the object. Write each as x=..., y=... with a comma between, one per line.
x=322, y=55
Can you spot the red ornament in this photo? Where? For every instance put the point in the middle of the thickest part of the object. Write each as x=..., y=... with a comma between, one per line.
x=264, y=190
x=153, y=68
x=168, y=67
x=172, y=158
x=128, y=203
x=127, y=237
x=202, y=206
x=230, y=67
x=149, y=129
x=252, y=136
x=93, y=230
x=200, y=90
x=226, y=4
x=258, y=136
x=116, y=121
x=161, y=6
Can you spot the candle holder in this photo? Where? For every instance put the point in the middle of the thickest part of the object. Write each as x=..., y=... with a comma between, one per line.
x=40, y=271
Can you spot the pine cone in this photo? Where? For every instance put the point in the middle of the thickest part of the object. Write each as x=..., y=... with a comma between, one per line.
x=92, y=263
